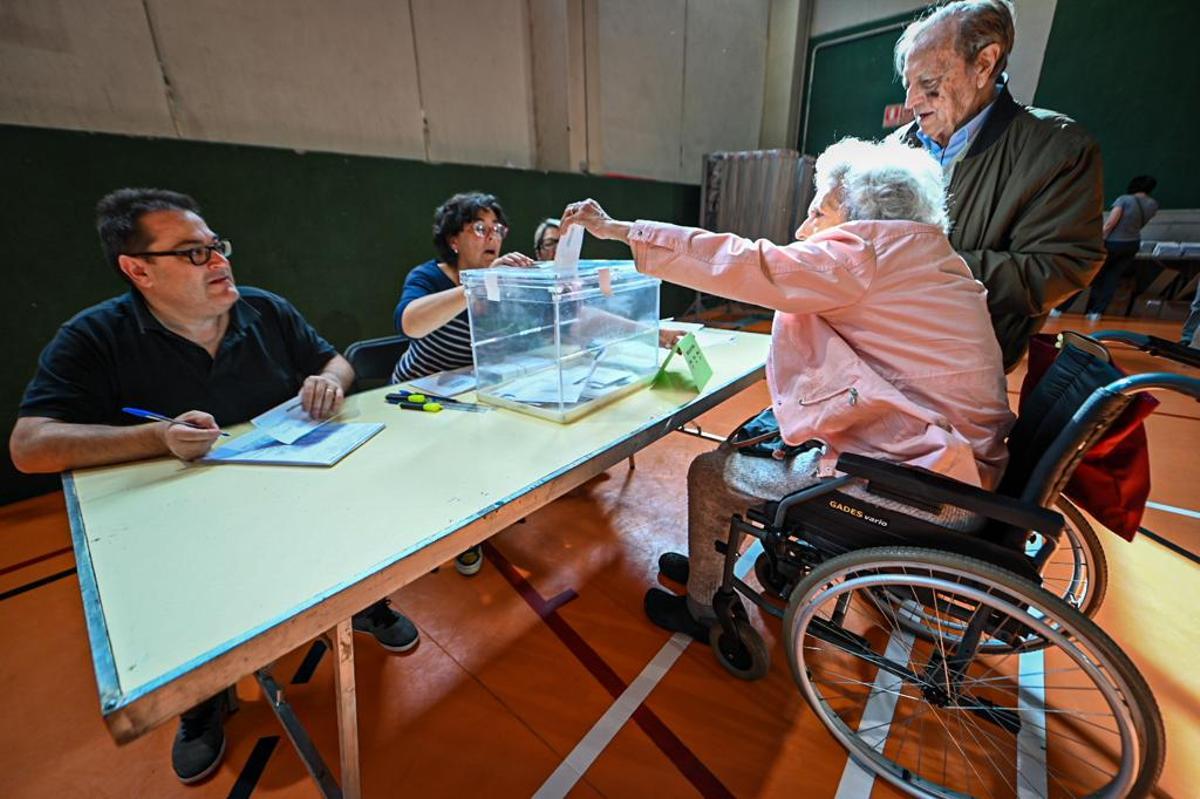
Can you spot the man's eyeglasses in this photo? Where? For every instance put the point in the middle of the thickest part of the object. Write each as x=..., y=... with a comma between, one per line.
x=200, y=255
x=483, y=230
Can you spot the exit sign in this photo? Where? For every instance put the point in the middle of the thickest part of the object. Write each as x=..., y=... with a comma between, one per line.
x=895, y=115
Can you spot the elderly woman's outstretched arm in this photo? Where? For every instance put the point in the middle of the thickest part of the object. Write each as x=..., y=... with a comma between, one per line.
x=829, y=271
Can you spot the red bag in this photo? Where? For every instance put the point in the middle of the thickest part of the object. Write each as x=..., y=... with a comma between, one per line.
x=1112, y=482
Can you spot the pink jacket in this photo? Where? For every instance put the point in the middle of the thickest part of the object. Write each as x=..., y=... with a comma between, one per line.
x=881, y=345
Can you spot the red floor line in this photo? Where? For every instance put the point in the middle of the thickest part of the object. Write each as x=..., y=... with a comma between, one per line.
x=668, y=743
x=32, y=561
x=36, y=584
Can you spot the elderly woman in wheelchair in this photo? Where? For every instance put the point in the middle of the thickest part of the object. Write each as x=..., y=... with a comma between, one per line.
x=916, y=617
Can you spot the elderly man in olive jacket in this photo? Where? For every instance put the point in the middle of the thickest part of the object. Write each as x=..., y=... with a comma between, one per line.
x=1025, y=185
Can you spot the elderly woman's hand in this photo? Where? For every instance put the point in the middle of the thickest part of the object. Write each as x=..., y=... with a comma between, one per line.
x=667, y=338
x=592, y=217
x=513, y=259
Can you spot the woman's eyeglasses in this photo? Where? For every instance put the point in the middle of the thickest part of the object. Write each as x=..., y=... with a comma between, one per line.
x=483, y=230
x=200, y=255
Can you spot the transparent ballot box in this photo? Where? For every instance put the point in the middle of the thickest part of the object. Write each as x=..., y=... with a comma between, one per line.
x=561, y=345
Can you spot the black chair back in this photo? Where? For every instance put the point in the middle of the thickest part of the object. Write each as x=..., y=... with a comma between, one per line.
x=374, y=359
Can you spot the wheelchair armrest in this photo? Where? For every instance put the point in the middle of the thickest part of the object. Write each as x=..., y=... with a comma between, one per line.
x=939, y=489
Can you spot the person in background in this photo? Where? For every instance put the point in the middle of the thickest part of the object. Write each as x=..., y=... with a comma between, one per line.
x=1025, y=184
x=545, y=239
x=1190, y=336
x=1122, y=238
x=881, y=346
x=468, y=232
x=185, y=341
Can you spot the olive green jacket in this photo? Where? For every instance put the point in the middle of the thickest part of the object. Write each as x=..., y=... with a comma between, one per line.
x=1026, y=204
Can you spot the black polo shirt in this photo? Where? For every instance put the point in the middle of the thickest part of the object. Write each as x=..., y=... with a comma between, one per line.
x=117, y=353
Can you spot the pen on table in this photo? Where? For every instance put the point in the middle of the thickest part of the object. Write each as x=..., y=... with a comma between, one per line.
x=158, y=417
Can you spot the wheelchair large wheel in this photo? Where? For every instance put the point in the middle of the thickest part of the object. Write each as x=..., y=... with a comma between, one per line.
x=1077, y=571
x=949, y=716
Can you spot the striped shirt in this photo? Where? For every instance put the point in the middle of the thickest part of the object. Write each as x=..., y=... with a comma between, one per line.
x=448, y=347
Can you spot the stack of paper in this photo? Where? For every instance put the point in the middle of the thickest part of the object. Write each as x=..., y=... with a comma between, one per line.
x=287, y=435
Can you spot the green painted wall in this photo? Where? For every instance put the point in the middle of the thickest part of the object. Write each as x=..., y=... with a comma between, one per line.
x=852, y=81
x=334, y=234
x=1130, y=73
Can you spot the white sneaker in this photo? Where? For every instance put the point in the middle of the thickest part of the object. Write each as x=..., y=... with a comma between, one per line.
x=1093, y=317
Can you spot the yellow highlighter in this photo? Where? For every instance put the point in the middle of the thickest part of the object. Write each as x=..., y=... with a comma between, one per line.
x=414, y=402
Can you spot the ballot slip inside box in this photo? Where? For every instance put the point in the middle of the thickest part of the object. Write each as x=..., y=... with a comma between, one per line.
x=558, y=344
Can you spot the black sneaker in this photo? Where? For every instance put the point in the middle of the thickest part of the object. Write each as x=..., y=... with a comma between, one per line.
x=393, y=631
x=674, y=566
x=671, y=613
x=470, y=562
x=200, y=741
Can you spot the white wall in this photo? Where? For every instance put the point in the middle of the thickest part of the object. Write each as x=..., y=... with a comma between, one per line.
x=835, y=15
x=638, y=87
x=80, y=64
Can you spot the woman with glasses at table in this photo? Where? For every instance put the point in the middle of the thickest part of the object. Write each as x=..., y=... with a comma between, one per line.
x=468, y=230
x=545, y=239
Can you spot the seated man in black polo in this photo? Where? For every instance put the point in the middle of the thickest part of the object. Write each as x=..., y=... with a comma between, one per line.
x=188, y=343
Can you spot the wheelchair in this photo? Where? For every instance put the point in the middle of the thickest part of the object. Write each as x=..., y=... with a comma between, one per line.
x=960, y=663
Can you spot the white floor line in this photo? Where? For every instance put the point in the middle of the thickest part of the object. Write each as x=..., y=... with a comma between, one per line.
x=1172, y=509
x=1032, y=780
x=603, y=731
x=856, y=782
x=580, y=759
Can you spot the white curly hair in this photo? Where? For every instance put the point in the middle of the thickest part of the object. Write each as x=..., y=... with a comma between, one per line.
x=883, y=180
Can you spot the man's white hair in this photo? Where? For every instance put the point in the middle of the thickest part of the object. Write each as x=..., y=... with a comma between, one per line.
x=974, y=24
x=884, y=180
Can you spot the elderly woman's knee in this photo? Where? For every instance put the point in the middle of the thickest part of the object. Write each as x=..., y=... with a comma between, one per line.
x=707, y=469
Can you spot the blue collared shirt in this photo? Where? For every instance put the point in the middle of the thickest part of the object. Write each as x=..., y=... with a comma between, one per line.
x=946, y=156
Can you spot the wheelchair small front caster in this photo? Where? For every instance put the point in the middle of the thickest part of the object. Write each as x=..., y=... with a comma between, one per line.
x=769, y=578
x=746, y=656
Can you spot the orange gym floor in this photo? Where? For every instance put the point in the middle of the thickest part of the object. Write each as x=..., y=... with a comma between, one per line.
x=518, y=663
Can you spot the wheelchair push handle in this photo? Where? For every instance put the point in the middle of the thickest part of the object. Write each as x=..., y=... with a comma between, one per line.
x=1151, y=345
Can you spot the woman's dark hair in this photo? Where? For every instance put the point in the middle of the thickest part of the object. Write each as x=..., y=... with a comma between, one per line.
x=455, y=214
x=1144, y=183
x=118, y=214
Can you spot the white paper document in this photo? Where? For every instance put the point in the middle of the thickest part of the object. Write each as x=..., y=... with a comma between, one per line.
x=287, y=421
x=580, y=382
x=446, y=384
x=566, y=257
x=541, y=388
x=684, y=327
x=711, y=337
x=323, y=446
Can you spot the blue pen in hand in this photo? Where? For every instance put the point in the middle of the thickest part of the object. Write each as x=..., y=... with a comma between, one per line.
x=158, y=417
